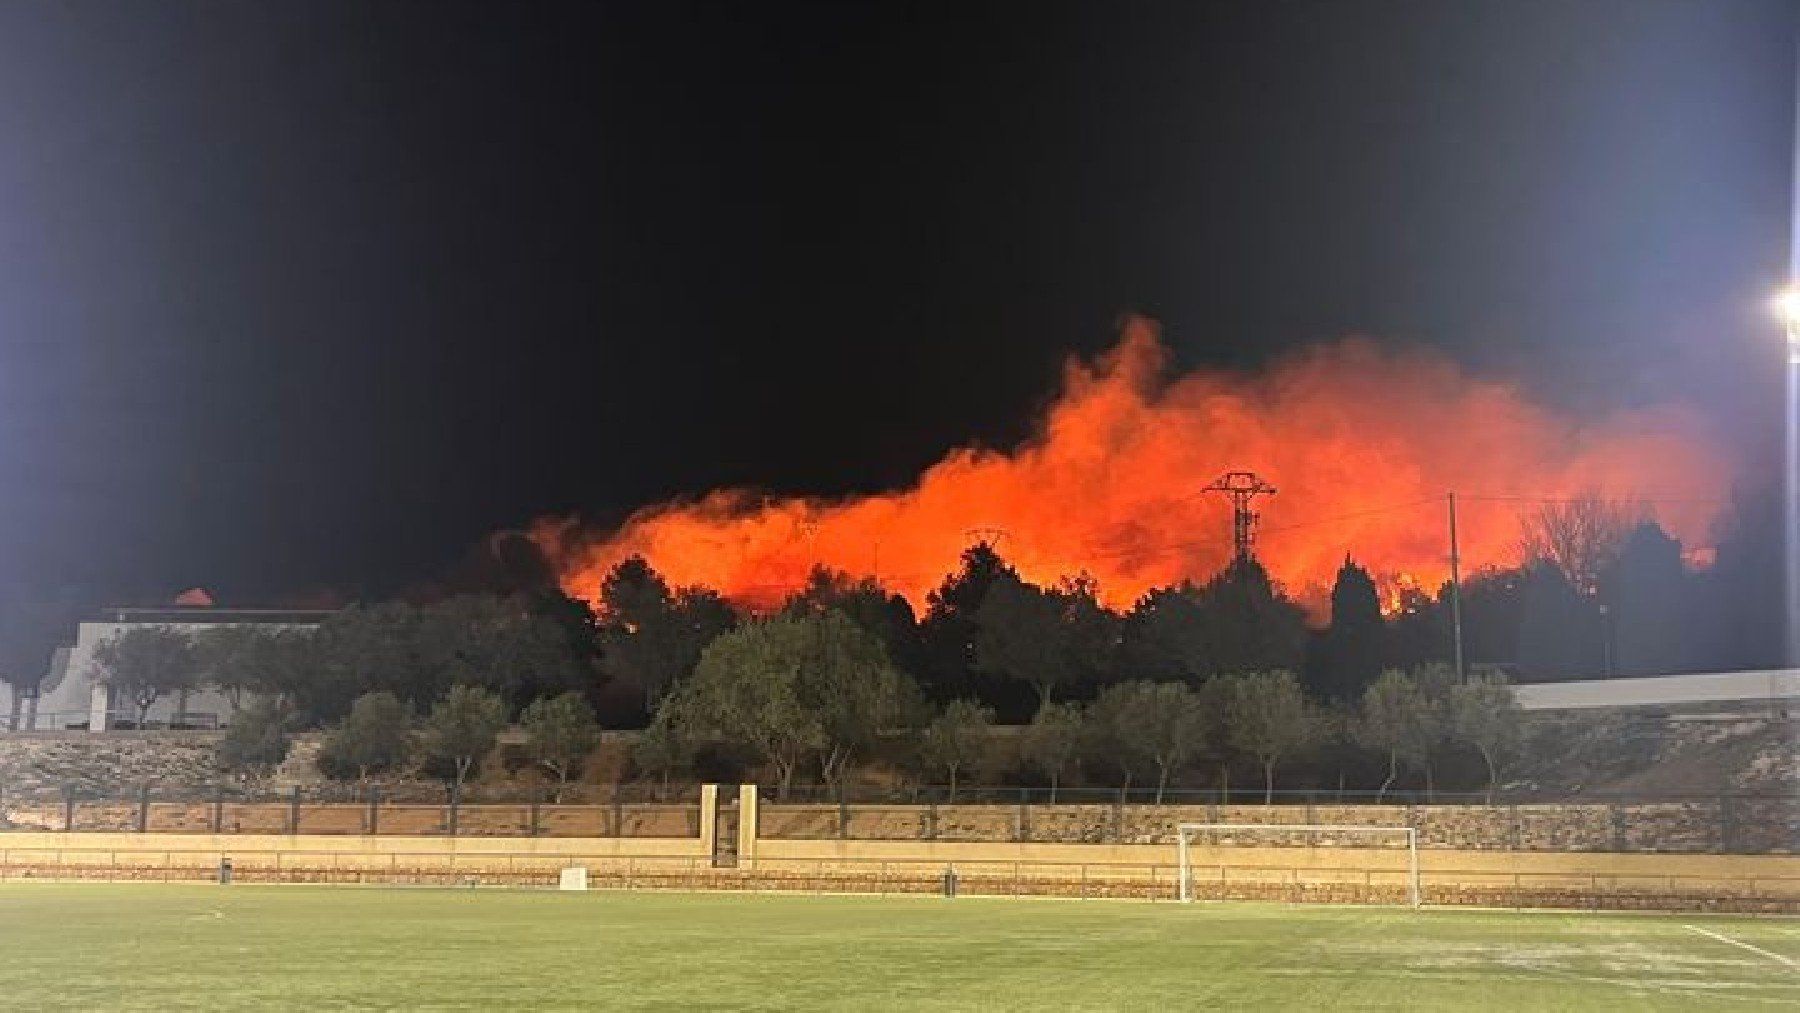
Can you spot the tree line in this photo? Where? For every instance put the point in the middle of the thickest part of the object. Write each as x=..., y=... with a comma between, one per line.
x=809, y=689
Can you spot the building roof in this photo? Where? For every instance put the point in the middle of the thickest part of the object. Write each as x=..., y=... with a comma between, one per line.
x=207, y=614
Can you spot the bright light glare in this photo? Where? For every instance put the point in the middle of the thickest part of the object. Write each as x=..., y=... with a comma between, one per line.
x=1787, y=307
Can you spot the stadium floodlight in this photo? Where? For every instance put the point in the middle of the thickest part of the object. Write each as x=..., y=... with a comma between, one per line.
x=1787, y=308
x=1184, y=830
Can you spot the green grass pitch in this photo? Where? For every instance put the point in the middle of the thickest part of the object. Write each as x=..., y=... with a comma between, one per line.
x=149, y=947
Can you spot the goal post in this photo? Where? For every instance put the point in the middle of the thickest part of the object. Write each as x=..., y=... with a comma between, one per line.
x=1186, y=831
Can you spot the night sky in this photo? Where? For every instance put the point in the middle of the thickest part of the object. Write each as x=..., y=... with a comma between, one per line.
x=300, y=296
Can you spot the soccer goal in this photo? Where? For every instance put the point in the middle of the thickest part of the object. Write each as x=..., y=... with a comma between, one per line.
x=1187, y=834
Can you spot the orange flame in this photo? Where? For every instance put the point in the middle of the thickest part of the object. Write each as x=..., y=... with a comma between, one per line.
x=1361, y=443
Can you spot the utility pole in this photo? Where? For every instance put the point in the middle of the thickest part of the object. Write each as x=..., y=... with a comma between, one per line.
x=1242, y=487
x=1455, y=590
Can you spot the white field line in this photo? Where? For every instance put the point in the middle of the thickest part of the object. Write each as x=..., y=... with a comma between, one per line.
x=1789, y=961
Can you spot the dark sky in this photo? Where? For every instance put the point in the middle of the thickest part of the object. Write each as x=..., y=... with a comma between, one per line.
x=301, y=295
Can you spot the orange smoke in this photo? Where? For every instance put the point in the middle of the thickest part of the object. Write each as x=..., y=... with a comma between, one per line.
x=1361, y=444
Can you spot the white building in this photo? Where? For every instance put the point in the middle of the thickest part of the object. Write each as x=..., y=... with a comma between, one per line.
x=72, y=695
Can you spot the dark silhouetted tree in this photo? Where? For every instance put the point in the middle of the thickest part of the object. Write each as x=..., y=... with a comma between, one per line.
x=560, y=732
x=33, y=624
x=1744, y=591
x=1394, y=719
x=1493, y=607
x=364, y=649
x=1270, y=718
x=664, y=749
x=652, y=637
x=949, y=628
x=957, y=739
x=1162, y=723
x=1250, y=625
x=462, y=728
x=1053, y=740
x=246, y=660
x=145, y=663
x=1483, y=712
x=1164, y=636
x=1650, y=605
x=373, y=738
x=887, y=616
x=1419, y=631
x=1349, y=653
x=1049, y=639
x=1560, y=633
x=257, y=740
x=790, y=688
x=1581, y=537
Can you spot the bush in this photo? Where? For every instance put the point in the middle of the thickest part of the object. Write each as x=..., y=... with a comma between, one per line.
x=371, y=740
x=257, y=740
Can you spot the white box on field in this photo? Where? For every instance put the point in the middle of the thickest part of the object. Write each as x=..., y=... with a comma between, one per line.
x=573, y=878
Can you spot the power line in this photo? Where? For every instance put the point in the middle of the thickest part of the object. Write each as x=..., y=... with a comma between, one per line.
x=1371, y=512
x=1626, y=500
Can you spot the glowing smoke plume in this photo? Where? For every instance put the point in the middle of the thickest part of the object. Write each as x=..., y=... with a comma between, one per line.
x=1110, y=485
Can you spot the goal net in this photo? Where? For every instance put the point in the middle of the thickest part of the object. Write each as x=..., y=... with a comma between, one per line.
x=1325, y=861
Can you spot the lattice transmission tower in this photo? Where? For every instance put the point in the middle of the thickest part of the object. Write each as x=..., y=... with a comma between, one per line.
x=1243, y=487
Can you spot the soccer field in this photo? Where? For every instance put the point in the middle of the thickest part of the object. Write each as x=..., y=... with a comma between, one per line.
x=130, y=947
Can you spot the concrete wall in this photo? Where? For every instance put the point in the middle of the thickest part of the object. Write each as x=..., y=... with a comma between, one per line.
x=328, y=859
x=1285, y=872
x=79, y=687
x=1769, y=687
x=1753, y=883
x=1713, y=882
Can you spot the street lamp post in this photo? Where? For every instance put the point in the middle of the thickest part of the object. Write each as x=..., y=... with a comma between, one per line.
x=1787, y=306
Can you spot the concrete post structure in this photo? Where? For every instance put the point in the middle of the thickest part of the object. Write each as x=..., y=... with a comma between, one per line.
x=747, y=820
x=709, y=818
x=98, y=699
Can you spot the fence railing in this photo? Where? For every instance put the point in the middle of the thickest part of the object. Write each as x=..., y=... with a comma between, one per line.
x=399, y=811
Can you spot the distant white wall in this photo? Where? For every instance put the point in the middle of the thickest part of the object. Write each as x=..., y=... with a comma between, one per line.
x=78, y=691
x=1729, y=688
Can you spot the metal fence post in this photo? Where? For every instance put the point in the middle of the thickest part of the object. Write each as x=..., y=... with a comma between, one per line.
x=931, y=820
x=1727, y=826
x=374, y=810
x=1618, y=826
x=218, y=813
x=68, y=808
x=455, y=806
x=294, y=811
x=537, y=803
x=143, y=808
x=618, y=813
x=1022, y=821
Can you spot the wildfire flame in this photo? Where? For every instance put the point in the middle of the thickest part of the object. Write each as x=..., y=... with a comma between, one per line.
x=1361, y=442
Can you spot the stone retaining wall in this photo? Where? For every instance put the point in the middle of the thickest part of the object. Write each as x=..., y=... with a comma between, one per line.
x=1726, y=825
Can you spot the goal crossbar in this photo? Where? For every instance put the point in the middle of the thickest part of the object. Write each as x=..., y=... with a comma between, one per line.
x=1182, y=830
